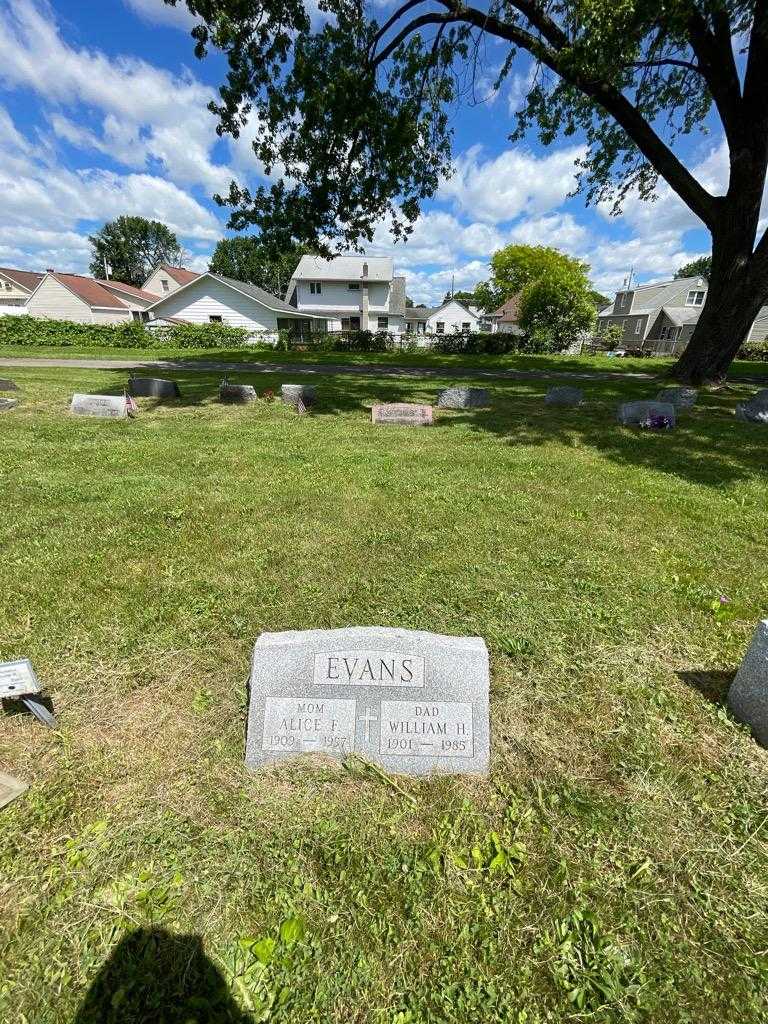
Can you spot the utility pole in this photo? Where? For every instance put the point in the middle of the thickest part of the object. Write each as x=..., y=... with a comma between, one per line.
x=106, y=269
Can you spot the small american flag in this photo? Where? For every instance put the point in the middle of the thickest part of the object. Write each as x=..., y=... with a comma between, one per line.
x=131, y=407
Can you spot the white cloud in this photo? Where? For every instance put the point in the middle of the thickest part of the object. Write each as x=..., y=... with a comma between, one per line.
x=156, y=12
x=501, y=188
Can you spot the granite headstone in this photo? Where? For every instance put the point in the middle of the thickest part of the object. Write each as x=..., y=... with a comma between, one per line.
x=236, y=393
x=681, y=398
x=412, y=702
x=153, y=387
x=7, y=403
x=116, y=407
x=748, y=695
x=633, y=414
x=755, y=410
x=300, y=396
x=564, y=395
x=8, y=385
x=463, y=398
x=403, y=414
x=10, y=789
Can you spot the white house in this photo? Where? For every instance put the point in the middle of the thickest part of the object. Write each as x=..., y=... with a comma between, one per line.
x=15, y=288
x=453, y=317
x=86, y=300
x=165, y=279
x=350, y=292
x=214, y=299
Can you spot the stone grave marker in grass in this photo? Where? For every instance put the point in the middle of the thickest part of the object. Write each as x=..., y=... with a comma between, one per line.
x=301, y=396
x=153, y=387
x=8, y=385
x=7, y=403
x=115, y=407
x=564, y=395
x=463, y=398
x=681, y=398
x=755, y=410
x=236, y=393
x=10, y=789
x=411, y=702
x=403, y=414
x=19, y=682
x=646, y=413
x=748, y=695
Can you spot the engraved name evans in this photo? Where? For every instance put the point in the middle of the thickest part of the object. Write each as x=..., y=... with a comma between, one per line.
x=368, y=668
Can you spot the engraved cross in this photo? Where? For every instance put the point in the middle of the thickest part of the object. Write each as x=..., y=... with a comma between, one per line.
x=367, y=719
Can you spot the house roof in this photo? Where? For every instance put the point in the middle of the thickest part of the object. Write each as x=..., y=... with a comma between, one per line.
x=509, y=311
x=179, y=274
x=681, y=315
x=27, y=279
x=344, y=268
x=129, y=289
x=89, y=290
x=251, y=290
x=419, y=312
x=648, y=298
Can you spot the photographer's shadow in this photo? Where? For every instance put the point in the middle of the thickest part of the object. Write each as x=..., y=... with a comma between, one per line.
x=156, y=977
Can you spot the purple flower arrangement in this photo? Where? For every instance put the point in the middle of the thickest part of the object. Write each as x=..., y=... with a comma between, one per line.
x=656, y=422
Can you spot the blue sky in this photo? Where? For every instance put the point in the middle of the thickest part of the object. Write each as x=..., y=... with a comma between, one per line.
x=103, y=112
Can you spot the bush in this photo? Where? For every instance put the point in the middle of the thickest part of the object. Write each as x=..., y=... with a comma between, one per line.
x=480, y=344
x=34, y=331
x=756, y=350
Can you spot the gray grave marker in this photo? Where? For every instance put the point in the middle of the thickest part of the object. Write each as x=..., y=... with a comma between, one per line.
x=300, y=396
x=403, y=414
x=10, y=788
x=412, y=702
x=7, y=403
x=748, y=695
x=463, y=398
x=18, y=681
x=153, y=387
x=115, y=407
x=8, y=385
x=633, y=414
x=755, y=410
x=236, y=394
x=564, y=395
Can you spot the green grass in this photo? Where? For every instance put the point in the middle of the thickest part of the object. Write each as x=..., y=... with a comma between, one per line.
x=147, y=876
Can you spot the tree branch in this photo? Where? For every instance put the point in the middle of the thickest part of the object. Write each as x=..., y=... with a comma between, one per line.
x=410, y=28
x=718, y=67
x=668, y=62
x=391, y=21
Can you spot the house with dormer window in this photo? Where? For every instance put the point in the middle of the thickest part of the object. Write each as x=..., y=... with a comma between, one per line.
x=656, y=317
x=352, y=293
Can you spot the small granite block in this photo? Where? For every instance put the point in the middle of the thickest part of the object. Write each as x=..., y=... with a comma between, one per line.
x=115, y=407
x=294, y=394
x=153, y=387
x=8, y=385
x=564, y=396
x=412, y=702
x=17, y=679
x=10, y=789
x=755, y=410
x=632, y=414
x=463, y=398
x=748, y=695
x=681, y=398
x=403, y=414
x=7, y=403
x=236, y=393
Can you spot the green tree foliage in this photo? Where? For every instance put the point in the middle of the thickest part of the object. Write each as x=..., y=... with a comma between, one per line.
x=249, y=258
x=702, y=267
x=466, y=298
x=516, y=266
x=133, y=247
x=599, y=301
x=356, y=113
x=554, y=308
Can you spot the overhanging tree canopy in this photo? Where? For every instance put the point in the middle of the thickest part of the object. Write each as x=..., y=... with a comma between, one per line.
x=355, y=114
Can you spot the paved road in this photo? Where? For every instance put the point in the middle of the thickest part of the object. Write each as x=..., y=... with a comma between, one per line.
x=338, y=369
x=318, y=369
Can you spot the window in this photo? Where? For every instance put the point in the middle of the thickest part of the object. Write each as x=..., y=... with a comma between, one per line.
x=637, y=326
x=383, y=323
x=695, y=299
x=315, y=288
x=465, y=328
x=8, y=286
x=215, y=319
x=164, y=283
x=440, y=327
x=354, y=286
x=136, y=314
x=350, y=323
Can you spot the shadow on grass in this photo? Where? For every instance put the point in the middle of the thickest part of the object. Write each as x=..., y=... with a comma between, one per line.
x=154, y=975
x=709, y=446
x=713, y=685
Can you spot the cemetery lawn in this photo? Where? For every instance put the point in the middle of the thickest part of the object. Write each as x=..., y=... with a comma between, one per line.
x=612, y=868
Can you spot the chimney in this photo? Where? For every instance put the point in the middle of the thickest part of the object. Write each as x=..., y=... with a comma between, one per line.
x=364, y=302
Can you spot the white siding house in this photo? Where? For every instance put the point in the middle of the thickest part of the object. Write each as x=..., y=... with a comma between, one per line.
x=213, y=298
x=165, y=279
x=452, y=317
x=350, y=292
x=15, y=288
x=85, y=300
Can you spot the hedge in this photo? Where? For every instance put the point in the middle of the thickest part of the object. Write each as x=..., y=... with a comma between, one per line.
x=34, y=331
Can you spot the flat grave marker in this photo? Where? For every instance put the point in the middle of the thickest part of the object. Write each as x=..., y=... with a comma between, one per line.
x=7, y=404
x=8, y=385
x=403, y=414
x=114, y=407
x=18, y=681
x=10, y=788
x=153, y=387
x=412, y=702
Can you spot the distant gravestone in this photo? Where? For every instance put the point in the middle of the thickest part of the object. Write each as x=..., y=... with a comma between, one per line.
x=404, y=414
x=8, y=385
x=153, y=387
x=236, y=393
x=681, y=398
x=412, y=702
x=300, y=396
x=7, y=403
x=10, y=789
x=636, y=414
x=116, y=407
x=19, y=682
x=564, y=396
x=748, y=695
x=463, y=398
x=755, y=410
